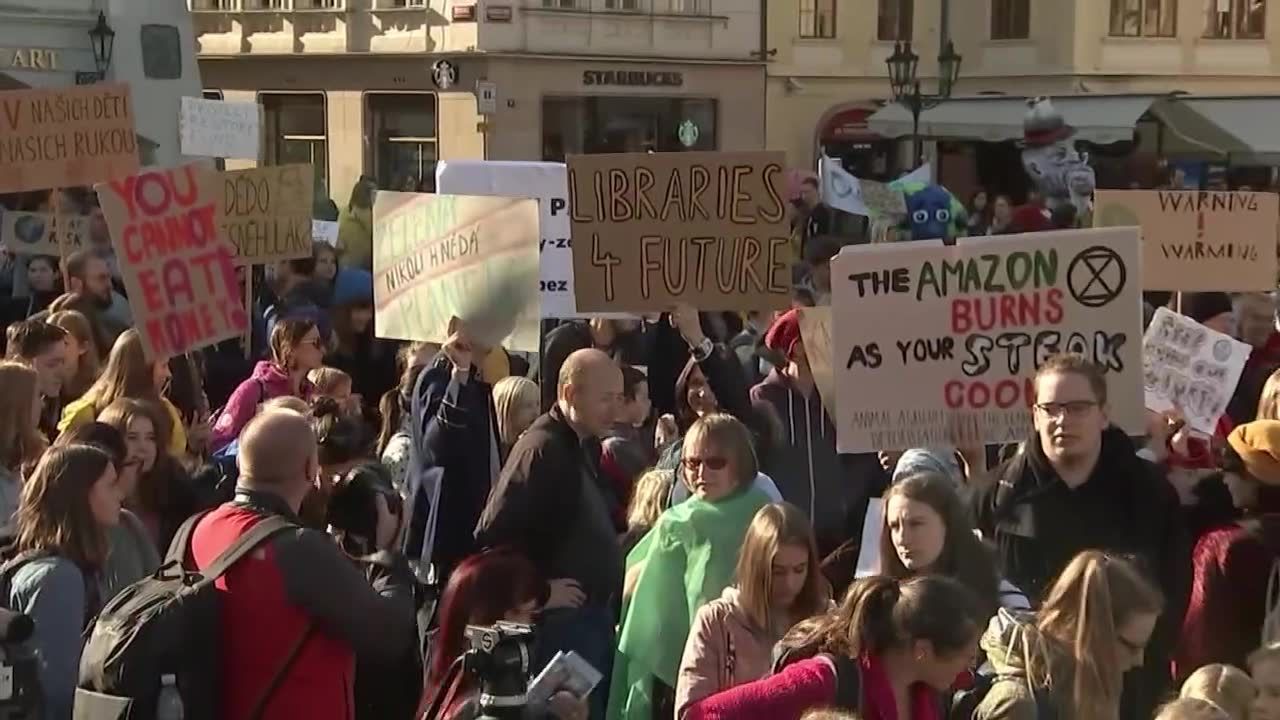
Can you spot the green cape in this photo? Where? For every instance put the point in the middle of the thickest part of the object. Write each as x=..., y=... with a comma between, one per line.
x=689, y=559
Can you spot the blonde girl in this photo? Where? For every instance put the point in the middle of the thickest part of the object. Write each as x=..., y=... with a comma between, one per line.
x=85, y=366
x=21, y=443
x=1226, y=686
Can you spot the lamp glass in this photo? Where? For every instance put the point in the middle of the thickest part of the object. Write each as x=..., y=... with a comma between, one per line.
x=903, y=65
x=948, y=70
x=103, y=39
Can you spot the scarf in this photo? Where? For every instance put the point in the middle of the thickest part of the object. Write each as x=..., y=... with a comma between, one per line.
x=686, y=561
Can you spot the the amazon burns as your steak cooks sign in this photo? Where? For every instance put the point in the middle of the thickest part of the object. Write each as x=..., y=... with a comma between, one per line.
x=651, y=230
x=939, y=344
x=179, y=268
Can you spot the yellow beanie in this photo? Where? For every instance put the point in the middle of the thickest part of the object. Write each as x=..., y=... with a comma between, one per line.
x=1258, y=445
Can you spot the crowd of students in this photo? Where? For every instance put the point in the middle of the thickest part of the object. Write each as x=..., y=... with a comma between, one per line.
x=663, y=496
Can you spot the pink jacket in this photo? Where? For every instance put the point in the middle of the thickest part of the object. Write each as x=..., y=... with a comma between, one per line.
x=724, y=649
x=266, y=382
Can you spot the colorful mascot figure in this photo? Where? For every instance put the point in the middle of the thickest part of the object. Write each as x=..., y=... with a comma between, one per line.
x=1060, y=172
x=932, y=211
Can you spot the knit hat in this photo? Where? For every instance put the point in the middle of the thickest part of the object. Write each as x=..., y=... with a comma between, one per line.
x=1205, y=305
x=1258, y=445
x=784, y=333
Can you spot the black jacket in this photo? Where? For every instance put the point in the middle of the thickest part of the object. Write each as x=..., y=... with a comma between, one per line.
x=540, y=507
x=1127, y=507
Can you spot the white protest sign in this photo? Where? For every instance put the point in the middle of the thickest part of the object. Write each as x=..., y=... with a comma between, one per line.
x=220, y=129
x=324, y=231
x=1188, y=367
x=548, y=183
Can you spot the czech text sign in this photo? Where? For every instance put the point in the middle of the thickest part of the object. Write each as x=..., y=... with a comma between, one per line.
x=268, y=213
x=216, y=128
x=938, y=345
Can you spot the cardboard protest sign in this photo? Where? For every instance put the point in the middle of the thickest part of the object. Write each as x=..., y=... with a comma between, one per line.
x=815, y=331
x=882, y=200
x=66, y=136
x=937, y=345
x=651, y=230
x=267, y=213
x=548, y=184
x=178, y=267
x=26, y=233
x=1196, y=240
x=437, y=257
x=220, y=129
x=1188, y=367
x=324, y=231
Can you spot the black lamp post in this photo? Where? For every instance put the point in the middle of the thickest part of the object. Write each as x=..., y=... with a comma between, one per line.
x=103, y=40
x=905, y=82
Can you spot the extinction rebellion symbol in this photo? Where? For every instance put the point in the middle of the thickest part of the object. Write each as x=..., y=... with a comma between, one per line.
x=1096, y=276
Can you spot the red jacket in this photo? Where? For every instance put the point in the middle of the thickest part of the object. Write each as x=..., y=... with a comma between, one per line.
x=270, y=598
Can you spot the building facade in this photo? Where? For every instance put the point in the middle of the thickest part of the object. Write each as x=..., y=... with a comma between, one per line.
x=828, y=76
x=386, y=88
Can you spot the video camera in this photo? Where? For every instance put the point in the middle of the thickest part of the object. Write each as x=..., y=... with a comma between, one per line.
x=501, y=656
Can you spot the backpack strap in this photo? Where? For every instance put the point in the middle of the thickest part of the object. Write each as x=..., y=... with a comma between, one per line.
x=245, y=544
x=260, y=706
x=182, y=539
x=848, y=682
x=1271, y=606
x=11, y=567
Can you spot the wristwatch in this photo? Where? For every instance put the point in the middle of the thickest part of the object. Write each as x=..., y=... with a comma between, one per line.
x=702, y=350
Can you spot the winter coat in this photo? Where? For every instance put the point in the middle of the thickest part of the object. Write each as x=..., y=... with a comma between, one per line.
x=55, y=593
x=268, y=381
x=355, y=237
x=10, y=494
x=1009, y=640
x=725, y=648
x=1126, y=506
x=832, y=488
x=1231, y=569
x=131, y=555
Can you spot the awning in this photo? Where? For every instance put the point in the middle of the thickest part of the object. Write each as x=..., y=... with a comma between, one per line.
x=1102, y=119
x=1241, y=129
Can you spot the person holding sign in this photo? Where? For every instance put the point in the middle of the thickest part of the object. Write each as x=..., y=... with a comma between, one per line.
x=1077, y=484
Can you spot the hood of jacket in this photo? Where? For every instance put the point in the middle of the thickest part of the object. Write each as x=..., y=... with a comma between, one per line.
x=352, y=287
x=274, y=380
x=1012, y=639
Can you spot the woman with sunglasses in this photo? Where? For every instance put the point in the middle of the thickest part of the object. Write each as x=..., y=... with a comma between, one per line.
x=296, y=349
x=1073, y=653
x=686, y=561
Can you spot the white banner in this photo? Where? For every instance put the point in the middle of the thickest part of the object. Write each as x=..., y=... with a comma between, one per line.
x=1190, y=368
x=220, y=129
x=548, y=183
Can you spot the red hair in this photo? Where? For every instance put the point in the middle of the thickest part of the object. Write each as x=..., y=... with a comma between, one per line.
x=481, y=591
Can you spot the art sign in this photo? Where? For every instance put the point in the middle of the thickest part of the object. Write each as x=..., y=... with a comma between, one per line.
x=937, y=345
x=1189, y=368
x=28, y=233
x=651, y=230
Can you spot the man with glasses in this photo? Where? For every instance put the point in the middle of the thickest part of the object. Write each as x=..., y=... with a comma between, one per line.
x=1078, y=484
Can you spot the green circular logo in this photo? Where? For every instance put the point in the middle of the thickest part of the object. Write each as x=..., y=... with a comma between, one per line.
x=688, y=133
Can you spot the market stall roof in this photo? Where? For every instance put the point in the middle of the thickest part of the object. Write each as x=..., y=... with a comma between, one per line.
x=1237, y=127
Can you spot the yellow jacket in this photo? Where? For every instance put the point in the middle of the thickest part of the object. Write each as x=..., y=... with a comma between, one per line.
x=80, y=411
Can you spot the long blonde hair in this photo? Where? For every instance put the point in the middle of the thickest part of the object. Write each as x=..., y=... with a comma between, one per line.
x=89, y=363
x=509, y=395
x=774, y=526
x=649, y=498
x=1094, y=595
x=1269, y=401
x=21, y=443
x=328, y=379
x=128, y=374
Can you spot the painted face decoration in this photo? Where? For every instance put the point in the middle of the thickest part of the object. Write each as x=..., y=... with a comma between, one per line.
x=1060, y=172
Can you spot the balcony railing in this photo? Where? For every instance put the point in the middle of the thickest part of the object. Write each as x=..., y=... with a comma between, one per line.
x=700, y=8
x=251, y=6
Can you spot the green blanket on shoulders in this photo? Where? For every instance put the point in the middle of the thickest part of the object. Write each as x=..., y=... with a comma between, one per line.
x=688, y=560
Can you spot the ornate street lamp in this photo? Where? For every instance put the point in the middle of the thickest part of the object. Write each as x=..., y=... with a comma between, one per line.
x=904, y=80
x=103, y=40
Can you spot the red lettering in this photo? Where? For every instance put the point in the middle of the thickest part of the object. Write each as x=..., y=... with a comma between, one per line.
x=151, y=293
x=978, y=395
x=1053, y=315
x=156, y=331
x=953, y=394
x=132, y=249
x=1006, y=394
x=1009, y=316
x=156, y=180
x=960, y=320
x=188, y=198
x=177, y=282
x=124, y=188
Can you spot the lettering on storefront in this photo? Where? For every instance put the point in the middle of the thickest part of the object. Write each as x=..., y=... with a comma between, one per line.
x=632, y=78
x=30, y=59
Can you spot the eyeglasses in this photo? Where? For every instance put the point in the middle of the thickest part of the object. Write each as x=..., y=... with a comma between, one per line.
x=1074, y=409
x=712, y=463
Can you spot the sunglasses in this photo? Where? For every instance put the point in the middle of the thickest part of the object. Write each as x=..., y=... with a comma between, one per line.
x=712, y=463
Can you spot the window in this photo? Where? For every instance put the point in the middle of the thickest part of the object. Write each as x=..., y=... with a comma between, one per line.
x=161, y=52
x=560, y=4
x=608, y=124
x=396, y=4
x=817, y=18
x=295, y=132
x=1010, y=19
x=1236, y=19
x=1144, y=18
x=622, y=4
x=686, y=7
x=895, y=19
x=402, y=127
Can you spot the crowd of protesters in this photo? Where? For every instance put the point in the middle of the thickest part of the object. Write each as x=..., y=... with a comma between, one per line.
x=662, y=496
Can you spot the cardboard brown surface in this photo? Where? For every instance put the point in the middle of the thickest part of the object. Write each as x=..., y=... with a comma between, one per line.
x=66, y=137
x=938, y=345
x=28, y=233
x=653, y=229
x=177, y=265
x=268, y=213
x=815, y=330
x=1196, y=241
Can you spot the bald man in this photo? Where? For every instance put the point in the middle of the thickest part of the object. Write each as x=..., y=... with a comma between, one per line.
x=297, y=591
x=551, y=503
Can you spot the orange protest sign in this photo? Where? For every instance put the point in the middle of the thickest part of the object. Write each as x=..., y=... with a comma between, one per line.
x=178, y=267
x=66, y=137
